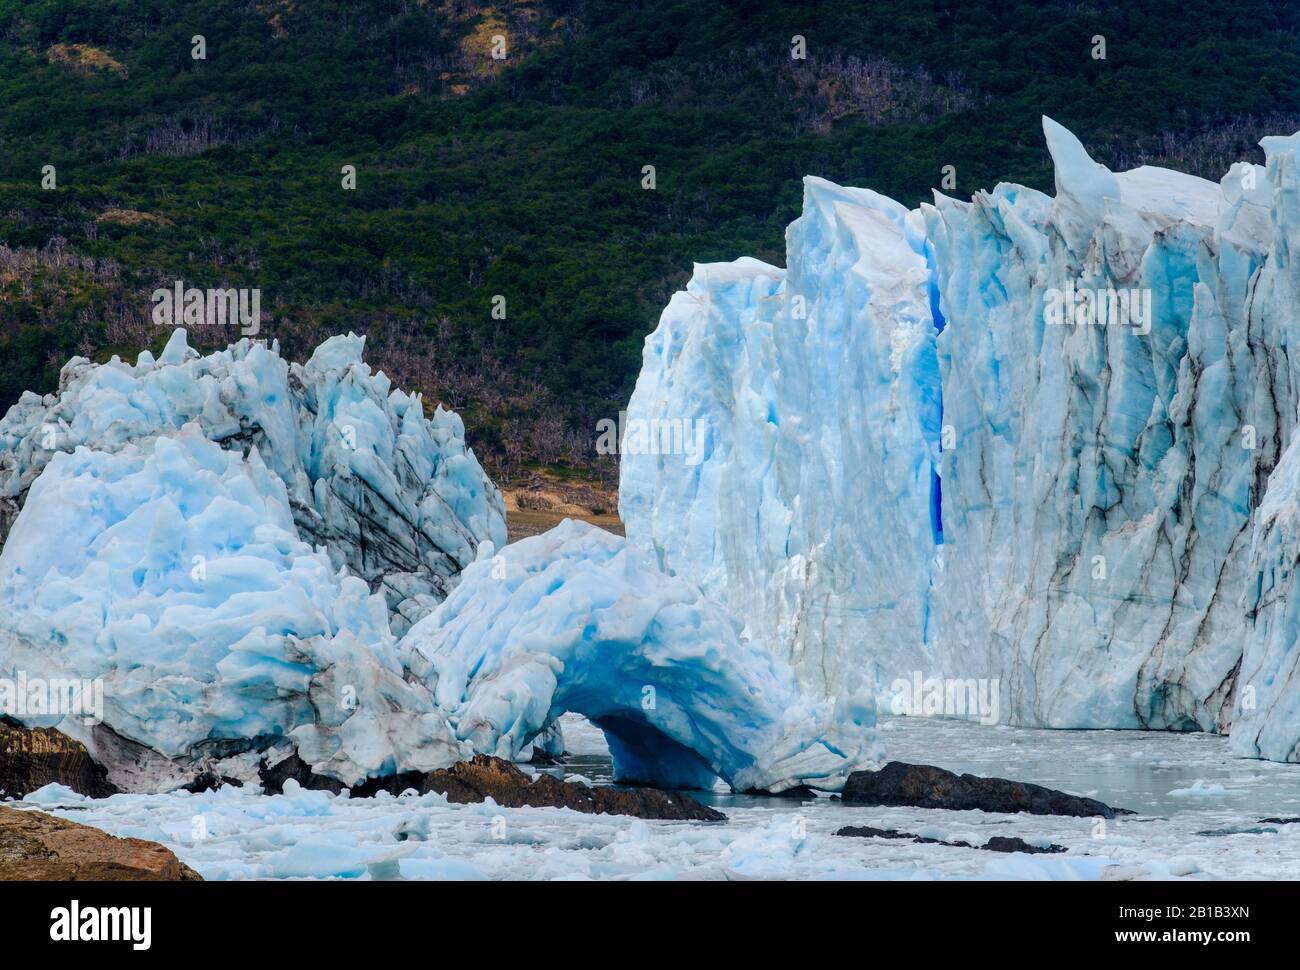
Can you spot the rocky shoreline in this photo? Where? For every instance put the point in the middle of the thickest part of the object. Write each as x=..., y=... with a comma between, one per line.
x=35, y=847
x=484, y=777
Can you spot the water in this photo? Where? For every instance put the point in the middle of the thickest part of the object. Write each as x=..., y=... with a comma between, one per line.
x=1150, y=772
x=1137, y=770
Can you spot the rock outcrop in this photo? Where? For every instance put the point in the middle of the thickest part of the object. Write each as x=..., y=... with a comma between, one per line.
x=925, y=786
x=488, y=777
x=35, y=847
x=33, y=758
x=484, y=777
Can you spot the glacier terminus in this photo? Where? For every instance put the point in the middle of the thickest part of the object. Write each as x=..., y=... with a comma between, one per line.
x=1044, y=445
x=1042, y=442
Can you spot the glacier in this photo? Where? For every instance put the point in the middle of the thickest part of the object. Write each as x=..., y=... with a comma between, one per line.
x=576, y=620
x=811, y=512
x=396, y=497
x=915, y=465
x=179, y=581
x=1041, y=441
x=255, y=559
x=237, y=543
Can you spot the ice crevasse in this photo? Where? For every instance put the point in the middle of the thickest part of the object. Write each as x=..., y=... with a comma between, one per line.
x=913, y=465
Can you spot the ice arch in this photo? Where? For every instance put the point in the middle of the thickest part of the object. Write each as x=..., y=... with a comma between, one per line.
x=577, y=620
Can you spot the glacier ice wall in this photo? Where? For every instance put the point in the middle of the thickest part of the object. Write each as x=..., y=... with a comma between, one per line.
x=578, y=620
x=817, y=388
x=396, y=497
x=1094, y=543
x=177, y=578
x=229, y=544
x=1097, y=497
x=1267, y=706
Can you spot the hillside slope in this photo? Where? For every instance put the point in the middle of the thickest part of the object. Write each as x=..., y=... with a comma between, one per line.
x=522, y=177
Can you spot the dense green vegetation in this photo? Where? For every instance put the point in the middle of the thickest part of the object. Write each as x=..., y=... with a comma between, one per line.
x=523, y=177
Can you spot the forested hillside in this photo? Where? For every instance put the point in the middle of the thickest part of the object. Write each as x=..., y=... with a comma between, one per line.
x=523, y=176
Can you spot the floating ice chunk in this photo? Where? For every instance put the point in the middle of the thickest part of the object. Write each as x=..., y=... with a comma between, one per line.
x=54, y=794
x=1199, y=789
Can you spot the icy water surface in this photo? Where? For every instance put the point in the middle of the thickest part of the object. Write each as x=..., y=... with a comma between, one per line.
x=1151, y=772
x=1200, y=813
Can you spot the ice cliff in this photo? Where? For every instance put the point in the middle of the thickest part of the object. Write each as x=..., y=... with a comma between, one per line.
x=229, y=544
x=394, y=496
x=923, y=456
x=817, y=389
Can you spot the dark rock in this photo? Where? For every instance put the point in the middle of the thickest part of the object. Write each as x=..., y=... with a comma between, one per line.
x=867, y=832
x=801, y=792
x=485, y=776
x=924, y=786
x=999, y=843
x=1280, y=821
x=1004, y=843
x=210, y=781
x=39, y=847
x=31, y=758
x=1247, y=830
x=274, y=776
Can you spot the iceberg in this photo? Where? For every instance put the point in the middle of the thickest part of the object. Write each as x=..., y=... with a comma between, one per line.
x=576, y=620
x=1026, y=438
